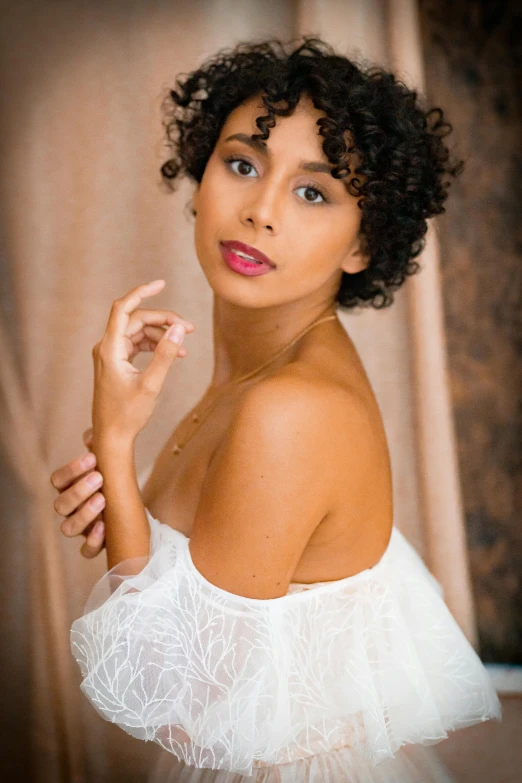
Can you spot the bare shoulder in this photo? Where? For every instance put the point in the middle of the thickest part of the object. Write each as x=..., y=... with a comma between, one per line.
x=271, y=482
x=338, y=408
x=333, y=424
x=294, y=393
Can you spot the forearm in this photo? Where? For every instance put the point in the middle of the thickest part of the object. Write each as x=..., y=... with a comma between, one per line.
x=127, y=529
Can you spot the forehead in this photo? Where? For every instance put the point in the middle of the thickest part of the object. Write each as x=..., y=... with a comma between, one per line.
x=299, y=127
x=302, y=121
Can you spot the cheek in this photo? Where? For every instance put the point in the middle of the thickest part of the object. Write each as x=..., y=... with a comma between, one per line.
x=340, y=235
x=320, y=244
x=206, y=219
x=212, y=209
x=307, y=268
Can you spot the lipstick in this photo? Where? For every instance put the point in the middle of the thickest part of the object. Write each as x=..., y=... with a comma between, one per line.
x=244, y=259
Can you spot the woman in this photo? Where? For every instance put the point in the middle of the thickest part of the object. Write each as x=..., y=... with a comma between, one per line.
x=275, y=624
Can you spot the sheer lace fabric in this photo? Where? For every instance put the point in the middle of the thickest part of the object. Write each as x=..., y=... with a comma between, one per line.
x=411, y=764
x=339, y=673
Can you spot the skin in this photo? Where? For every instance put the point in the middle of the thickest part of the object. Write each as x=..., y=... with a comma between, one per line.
x=266, y=205
x=268, y=202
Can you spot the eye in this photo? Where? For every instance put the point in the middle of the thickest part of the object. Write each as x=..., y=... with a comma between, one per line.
x=229, y=161
x=310, y=186
x=315, y=190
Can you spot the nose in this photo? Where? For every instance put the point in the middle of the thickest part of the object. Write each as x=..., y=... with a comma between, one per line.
x=253, y=222
x=261, y=209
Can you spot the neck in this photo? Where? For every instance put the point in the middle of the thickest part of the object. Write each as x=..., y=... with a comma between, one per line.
x=245, y=338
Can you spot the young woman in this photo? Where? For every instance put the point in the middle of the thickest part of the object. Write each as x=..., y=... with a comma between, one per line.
x=262, y=618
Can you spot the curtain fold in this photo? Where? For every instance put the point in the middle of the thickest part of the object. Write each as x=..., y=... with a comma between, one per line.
x=55, y=731
x=443, y=512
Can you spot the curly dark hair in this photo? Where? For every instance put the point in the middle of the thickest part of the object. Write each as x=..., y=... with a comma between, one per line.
x=399, y=143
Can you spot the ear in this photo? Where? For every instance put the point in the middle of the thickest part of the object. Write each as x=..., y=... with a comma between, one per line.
x=356, y=259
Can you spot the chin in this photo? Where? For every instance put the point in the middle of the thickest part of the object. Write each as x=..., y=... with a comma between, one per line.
x=232, y=293
x=239, y=290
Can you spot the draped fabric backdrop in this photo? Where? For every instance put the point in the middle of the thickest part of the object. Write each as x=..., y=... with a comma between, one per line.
x=84, y=220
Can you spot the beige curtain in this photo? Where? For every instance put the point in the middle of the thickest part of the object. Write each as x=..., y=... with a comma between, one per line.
x=85, y=219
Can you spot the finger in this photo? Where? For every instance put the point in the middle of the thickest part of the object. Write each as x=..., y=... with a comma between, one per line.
x=87, y=437
x=147, y=339
x=70, y=499
x=76, y=524
x=63, y=477
x=122, y=308
x=150, y=337
x=166, y=351
x=90, y=526
x=85, y=532
x=142, y=317
x=93, y=544
x=152, y=333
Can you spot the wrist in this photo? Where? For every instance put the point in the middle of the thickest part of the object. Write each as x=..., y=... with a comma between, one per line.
x=109, y=441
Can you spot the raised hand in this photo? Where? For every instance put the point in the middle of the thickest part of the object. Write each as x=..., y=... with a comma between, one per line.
x=143, y=331
x=125, y=397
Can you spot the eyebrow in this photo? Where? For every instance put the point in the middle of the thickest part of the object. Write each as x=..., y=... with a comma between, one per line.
x=260, y=146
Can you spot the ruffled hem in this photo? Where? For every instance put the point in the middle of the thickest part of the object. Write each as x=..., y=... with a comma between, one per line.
x=411, y=764
x=364, y=665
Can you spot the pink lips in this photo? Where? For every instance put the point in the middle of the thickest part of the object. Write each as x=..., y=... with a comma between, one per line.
x=242, y=265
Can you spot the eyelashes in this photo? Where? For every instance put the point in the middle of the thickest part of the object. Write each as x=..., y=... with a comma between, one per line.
x=309, y=186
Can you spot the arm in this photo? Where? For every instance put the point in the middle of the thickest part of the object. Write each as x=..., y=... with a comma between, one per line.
x=127, y=530
x=269, y=485
x=173, y=658
x=123, y=402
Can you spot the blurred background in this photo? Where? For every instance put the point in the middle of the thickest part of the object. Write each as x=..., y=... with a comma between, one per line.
x=83, y=219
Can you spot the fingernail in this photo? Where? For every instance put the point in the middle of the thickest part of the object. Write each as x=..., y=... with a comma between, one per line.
x=176, y=333
x=98, y=503
x=99, y=528
x=94, y=480
x=88, y=461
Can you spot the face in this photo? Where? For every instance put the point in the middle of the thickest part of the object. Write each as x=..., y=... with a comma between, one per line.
x=304, y=221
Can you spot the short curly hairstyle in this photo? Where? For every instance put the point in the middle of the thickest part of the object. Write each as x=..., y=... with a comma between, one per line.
x=399, y=143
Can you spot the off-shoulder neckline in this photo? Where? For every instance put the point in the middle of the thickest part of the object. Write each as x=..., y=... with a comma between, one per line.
x=314, y=588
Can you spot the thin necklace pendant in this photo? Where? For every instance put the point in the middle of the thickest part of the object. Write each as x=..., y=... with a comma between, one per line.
x=196, y=418
x=177, y=447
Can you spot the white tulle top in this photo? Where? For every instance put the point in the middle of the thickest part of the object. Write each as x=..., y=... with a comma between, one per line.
x=369, y=663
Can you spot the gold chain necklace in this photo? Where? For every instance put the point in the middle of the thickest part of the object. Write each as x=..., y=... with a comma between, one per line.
x=201, y=418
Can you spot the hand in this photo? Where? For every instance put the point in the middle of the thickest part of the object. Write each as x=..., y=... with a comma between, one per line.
x=125, y=397
x=75, y=499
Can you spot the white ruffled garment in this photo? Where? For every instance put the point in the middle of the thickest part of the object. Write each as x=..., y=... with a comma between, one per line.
x=329, y=682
